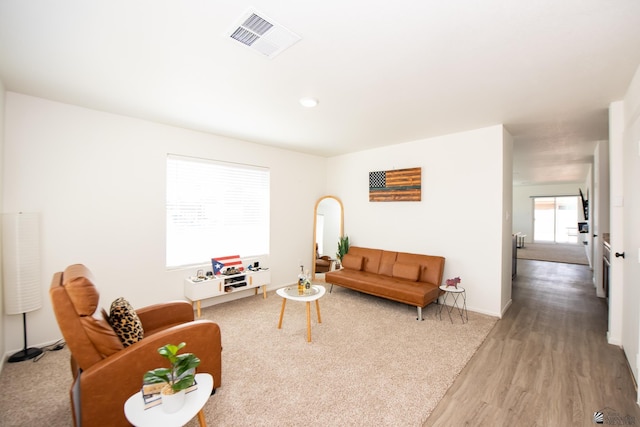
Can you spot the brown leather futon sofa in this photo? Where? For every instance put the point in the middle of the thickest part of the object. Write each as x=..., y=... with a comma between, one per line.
x=411, y=279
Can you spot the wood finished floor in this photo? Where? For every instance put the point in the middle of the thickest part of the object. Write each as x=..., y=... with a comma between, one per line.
x=547, y=362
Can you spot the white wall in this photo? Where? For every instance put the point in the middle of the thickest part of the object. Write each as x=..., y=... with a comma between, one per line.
x=631, y=214
x=2, y=332
x=507, y=222
x=600, y=210
x=616, y=167
x=98, y=181
x=624, y=157
x=588, y=237
x=460, y=215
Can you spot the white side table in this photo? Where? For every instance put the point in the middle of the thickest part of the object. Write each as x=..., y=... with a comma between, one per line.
x=314, y=294
x=155, y=417
x=456, y=293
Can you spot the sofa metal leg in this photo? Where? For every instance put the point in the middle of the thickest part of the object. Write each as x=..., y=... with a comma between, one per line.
x=420, y=314
x=331, y=288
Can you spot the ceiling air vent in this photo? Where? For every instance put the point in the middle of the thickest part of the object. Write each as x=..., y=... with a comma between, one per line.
x=262, y=34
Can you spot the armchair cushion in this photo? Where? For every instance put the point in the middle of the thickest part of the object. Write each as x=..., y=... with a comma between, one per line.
x=125, y=322
x=81, y=290
x=101, y=334
x=79, y=284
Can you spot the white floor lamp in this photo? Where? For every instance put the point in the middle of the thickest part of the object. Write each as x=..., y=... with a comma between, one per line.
x=21, y=271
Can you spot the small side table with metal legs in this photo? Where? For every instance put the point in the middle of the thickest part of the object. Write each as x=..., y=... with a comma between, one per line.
x=456, y=293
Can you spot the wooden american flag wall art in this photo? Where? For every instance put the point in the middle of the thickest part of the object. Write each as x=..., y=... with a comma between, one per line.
x=399, y=185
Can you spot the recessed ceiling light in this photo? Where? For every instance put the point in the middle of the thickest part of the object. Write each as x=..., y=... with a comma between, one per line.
x=308, y=102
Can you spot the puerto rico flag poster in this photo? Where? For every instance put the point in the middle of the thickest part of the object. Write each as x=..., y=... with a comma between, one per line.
x=220, y=263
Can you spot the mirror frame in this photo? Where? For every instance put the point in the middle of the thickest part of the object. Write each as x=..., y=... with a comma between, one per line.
x=315, y=220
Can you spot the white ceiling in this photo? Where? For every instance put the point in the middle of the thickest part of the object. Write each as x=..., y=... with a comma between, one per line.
x=384, y=72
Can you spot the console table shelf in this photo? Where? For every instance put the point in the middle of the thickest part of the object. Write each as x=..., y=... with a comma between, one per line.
x=196, y=291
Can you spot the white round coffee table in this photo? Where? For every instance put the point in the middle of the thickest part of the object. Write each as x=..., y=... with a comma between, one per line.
x=155, y=417
x=456, y=293
x=313, y=294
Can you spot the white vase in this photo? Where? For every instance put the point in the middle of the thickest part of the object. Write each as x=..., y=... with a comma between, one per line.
x=172, y=402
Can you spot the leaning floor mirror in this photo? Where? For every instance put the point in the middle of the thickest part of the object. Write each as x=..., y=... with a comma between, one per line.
x=328, y=224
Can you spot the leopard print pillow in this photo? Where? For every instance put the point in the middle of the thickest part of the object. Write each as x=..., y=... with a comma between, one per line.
x=125, y=322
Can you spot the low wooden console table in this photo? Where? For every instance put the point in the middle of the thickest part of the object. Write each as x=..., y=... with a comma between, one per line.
x=196, y=291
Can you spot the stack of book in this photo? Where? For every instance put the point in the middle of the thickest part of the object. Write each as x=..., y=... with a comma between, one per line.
x=151, y=393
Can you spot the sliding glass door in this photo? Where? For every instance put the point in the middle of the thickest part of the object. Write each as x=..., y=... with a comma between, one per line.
x=555, y=219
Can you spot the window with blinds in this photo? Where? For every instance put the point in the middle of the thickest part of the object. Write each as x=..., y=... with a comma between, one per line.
x=215, y=209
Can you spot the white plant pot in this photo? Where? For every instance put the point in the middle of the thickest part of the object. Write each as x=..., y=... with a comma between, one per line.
x=172, y=402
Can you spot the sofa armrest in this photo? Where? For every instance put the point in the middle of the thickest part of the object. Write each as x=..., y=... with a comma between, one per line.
x=106, y=386
x=160, y=316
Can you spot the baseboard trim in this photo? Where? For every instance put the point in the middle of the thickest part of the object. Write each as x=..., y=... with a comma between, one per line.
x=633, y=378
x=628, y=364
x=506, y=307
x=613, y=340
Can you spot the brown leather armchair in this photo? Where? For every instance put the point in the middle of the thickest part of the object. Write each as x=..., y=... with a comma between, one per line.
x=105, y=372
x=323, y=263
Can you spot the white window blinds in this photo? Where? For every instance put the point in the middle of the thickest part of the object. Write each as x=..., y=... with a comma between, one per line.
x=215, y=209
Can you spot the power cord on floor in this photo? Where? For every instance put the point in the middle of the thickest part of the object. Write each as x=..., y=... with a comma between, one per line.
x=58, y=345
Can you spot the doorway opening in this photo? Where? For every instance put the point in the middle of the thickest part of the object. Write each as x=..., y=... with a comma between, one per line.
x=555, y=219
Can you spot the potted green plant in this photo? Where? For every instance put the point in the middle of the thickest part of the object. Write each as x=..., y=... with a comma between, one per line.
x=343, y=247
x=178, y=377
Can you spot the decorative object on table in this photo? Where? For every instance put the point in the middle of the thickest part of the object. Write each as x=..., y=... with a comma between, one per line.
x=221, y=264
x=177, y=378
x=301, y=280
x=151, y=393
x=21, y=272
x=453, y=282
x=400, y=185
x=307, y=282
x=231, y=271
x=343, y=247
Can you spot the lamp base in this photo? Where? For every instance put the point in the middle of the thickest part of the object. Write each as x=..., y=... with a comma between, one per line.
x=26, y=354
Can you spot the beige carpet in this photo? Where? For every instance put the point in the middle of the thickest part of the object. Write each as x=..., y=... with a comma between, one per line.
x=370, y=363
x=554, y=252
